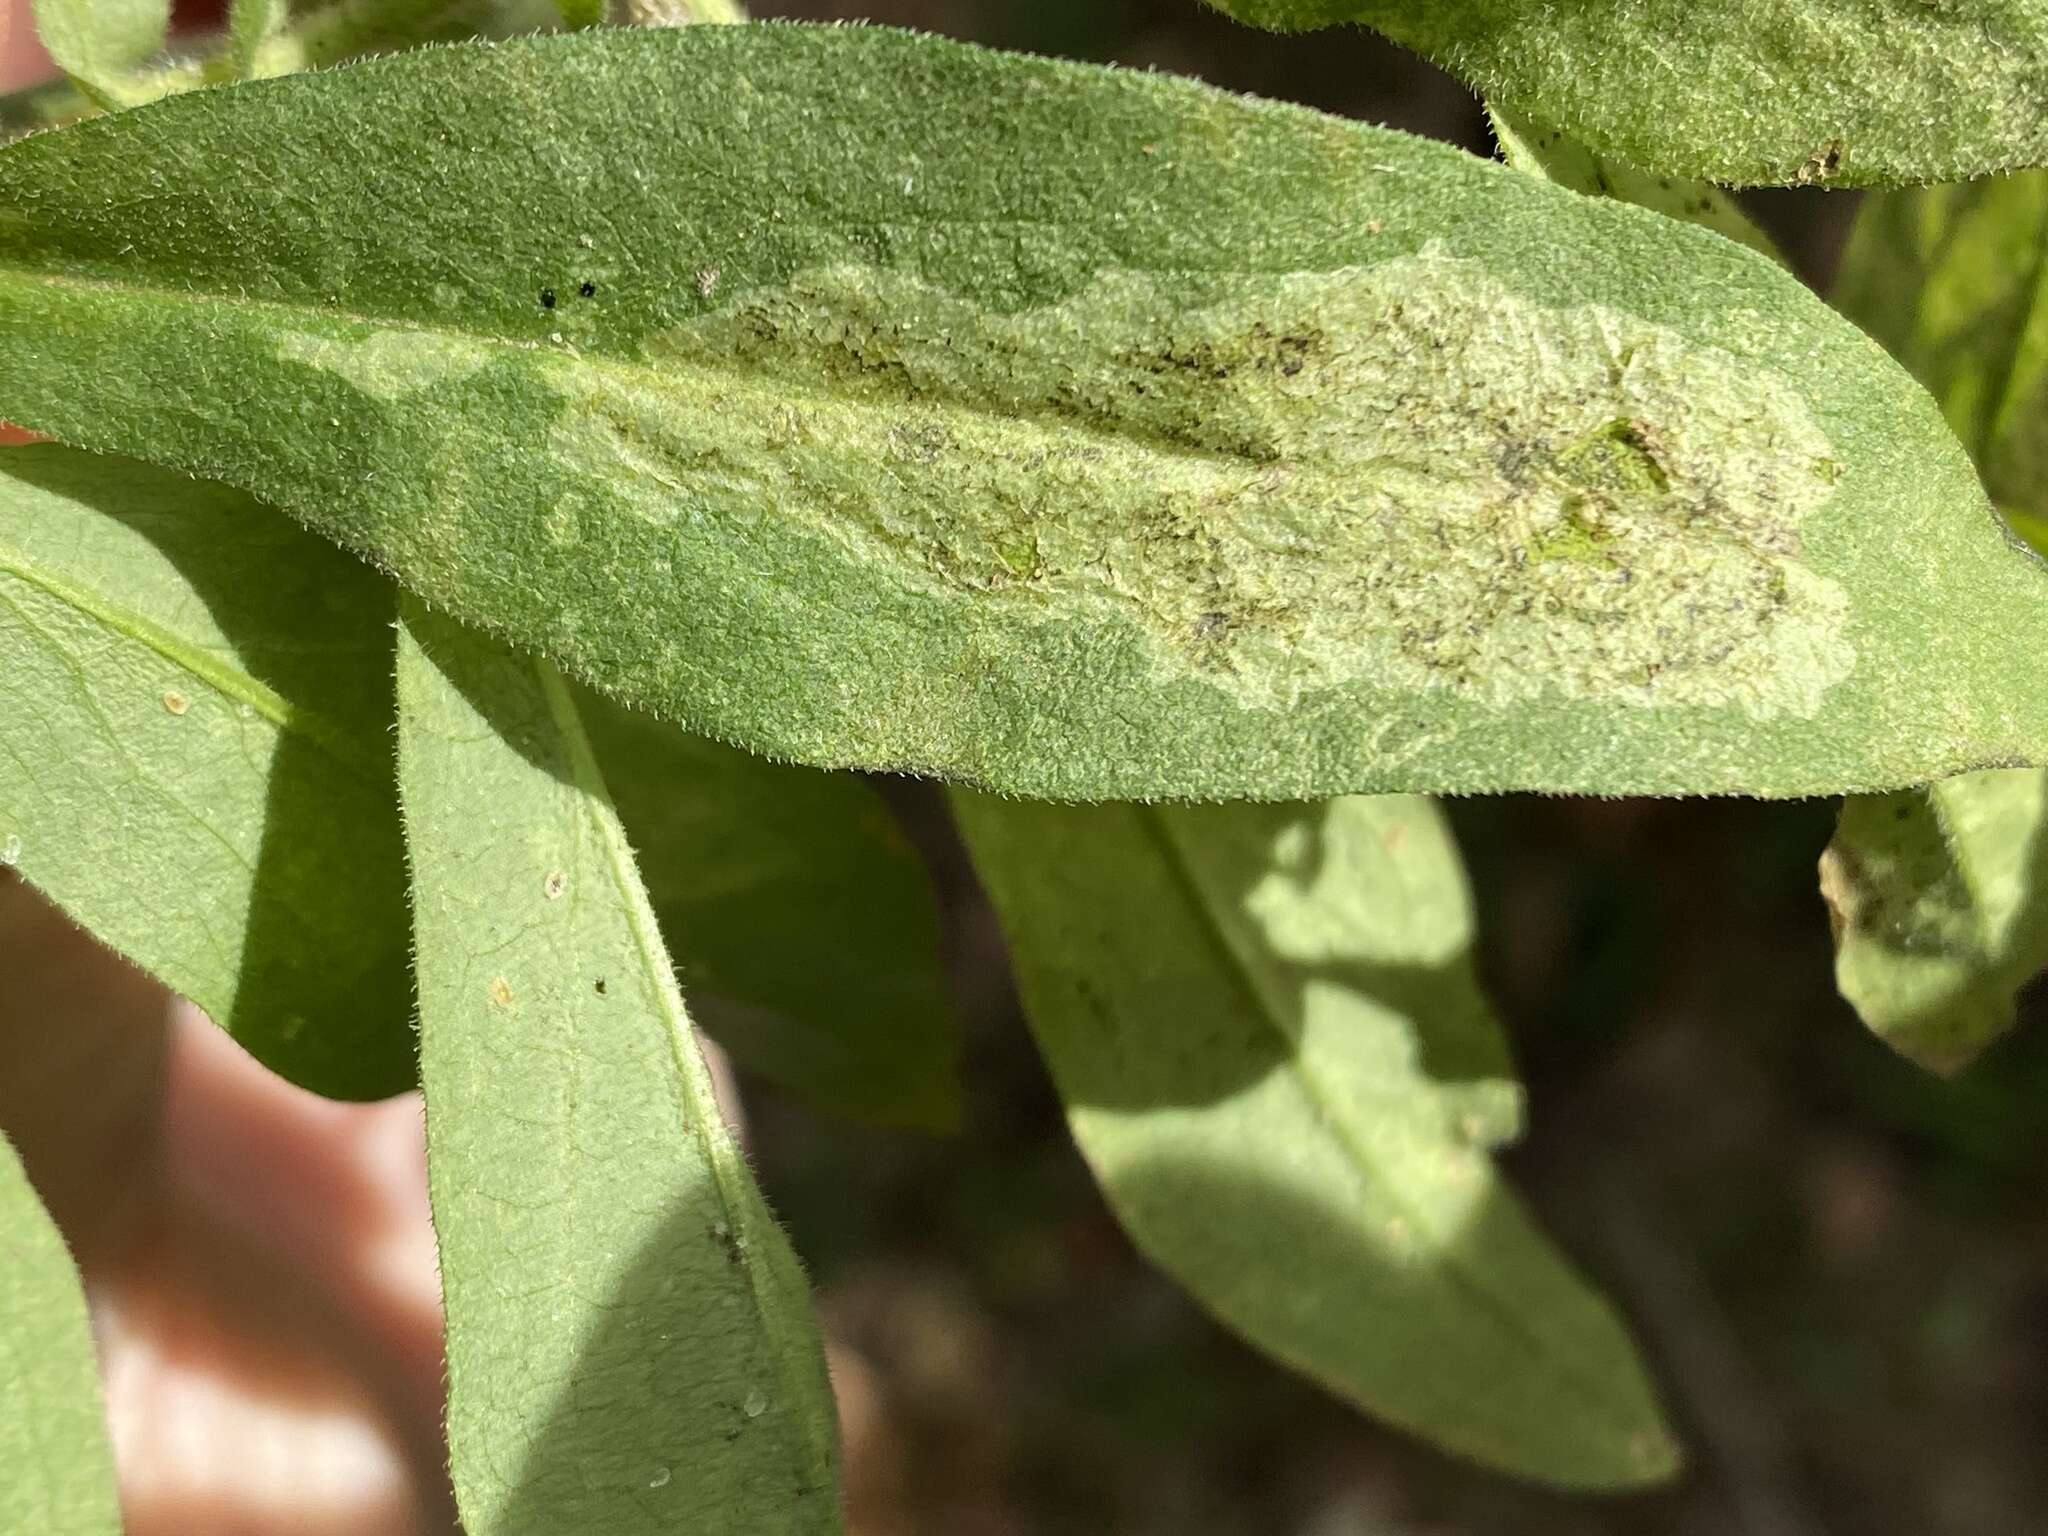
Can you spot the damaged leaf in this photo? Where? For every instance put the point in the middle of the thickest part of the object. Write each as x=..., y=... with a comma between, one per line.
x=1091, y=434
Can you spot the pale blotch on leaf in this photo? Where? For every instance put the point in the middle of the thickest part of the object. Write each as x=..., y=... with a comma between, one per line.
x=555, y=883
x=386, y=364
x=176, y=702
x=501, y=992
x=1408, y=472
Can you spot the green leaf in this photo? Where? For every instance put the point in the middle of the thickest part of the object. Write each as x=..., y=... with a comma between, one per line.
x=581, y=13
x=630, y=1345
x=1274, y=1054
x=195, y=703
x=101, y=43
x=801, y=920
x=1547, y=153
x=56, y=1471
x=1954, y=282
x=1939, y=900
x=1745, y=92
x=251, y=24
x=1071, y=432
x=1940, y=895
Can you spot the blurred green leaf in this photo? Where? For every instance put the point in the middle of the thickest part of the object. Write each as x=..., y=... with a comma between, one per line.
x=1091, y=434
x=801, y=920
x=1744, y=92
x=1940, y=917
x=100, y=44
x=1954, y=282
x=56, y=1470
x=1275, y=1056
x=1547, y=153
x=630, y=1343
x=251, y=24
x=1940, y=895
x=196, y=765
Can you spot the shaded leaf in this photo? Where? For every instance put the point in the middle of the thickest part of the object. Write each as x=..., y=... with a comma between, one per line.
x=1940, y=895
x=1275, y=1056
x=801, y=921
x=195, y=703
x=1743, y=92
x=1547, y=153
x=1954, y=282
x=630, y=1345
x=581, y=13
x=56, y=1470
x=1937, y=900
x=1080, y=433
x=101, y=43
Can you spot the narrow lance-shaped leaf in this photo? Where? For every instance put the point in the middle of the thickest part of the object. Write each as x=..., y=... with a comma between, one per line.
x=1275, y=1056
x=1073, y=432
x=56, y=1471
x=1088, y=433
x=630, y=1345
x=801, y=920
x=1940, y=895
x=1743, y=92
x=1547, y=153
x=101, y=43
x=195, y=758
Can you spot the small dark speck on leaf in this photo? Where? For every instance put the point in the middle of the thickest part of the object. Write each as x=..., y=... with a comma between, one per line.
x=600, y=986
x=587, y=288
x=547, y=298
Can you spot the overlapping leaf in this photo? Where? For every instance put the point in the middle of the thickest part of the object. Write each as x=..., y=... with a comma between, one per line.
x=1275, y=1056
x=1551, y=155
x=195, y=707
x=1744, y=91
x=1940, y=895
x=801, y=921
x=56, y=1471
x=630, y=1346
x=1072, y=432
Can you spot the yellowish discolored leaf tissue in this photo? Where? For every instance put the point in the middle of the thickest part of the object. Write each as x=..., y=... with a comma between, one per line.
x=709, y=411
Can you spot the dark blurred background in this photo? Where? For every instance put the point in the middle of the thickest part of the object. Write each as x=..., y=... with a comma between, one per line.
x=1838, y=1264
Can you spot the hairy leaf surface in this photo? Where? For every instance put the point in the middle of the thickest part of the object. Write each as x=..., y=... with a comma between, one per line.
x=56, y=1470
x=801, y=920
x=195, y=759
x=630, y=1344
x=1940, y=895
x=1939, y=898
x=1072, y=432
x=1744, y=91
x=1275, y=1056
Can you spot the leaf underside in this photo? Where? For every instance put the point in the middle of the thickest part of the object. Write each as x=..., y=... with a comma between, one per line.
x=1275, y=1056
x=1076, y=433
x=195, y=708
x=1744, y=92
x=1939, y=899
x=630, y=1346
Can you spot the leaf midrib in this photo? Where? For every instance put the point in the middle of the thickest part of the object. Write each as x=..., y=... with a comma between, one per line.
x=1328, y=1104
x=237, y=686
